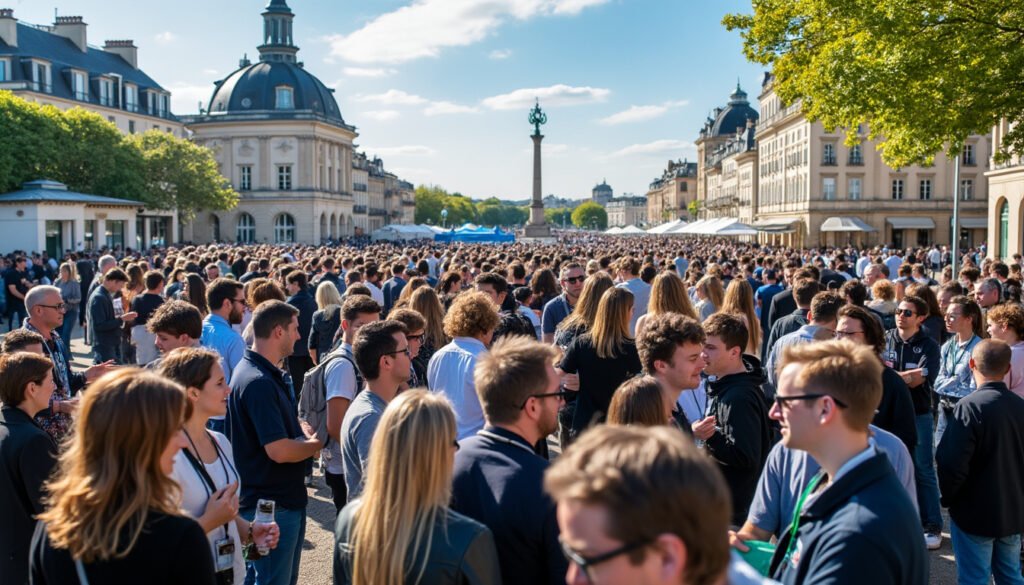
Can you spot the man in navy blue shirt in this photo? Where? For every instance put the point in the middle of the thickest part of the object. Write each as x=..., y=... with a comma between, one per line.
x=558, y=308
x=270, y=446
x=393, y=287
x=498, y=477
x=765, y=292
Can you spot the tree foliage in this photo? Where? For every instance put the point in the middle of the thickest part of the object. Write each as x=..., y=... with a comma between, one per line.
x=431, y=200
x=693, y=208
x=590, y=214
x=556, y=216
x=922, y=74
x=495, y=212
x=89, y=155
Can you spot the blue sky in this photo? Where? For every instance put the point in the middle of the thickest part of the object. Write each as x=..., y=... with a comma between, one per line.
x=440, y=89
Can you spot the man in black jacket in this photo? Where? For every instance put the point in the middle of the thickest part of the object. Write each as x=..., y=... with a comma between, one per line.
x=980, y=461
x=300, y=361
x=105, y=326
x=802, y=294
x=498, y=477
x=736, y=433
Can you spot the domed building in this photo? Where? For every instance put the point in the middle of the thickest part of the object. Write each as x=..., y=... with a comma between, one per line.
x=727, y=132
x=280, y=139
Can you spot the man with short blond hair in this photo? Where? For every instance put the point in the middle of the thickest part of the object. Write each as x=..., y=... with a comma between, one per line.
x=498, y=476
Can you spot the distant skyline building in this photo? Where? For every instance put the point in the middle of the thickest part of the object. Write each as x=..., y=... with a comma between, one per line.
x=627, y=210
x=669, y=196
x=602, y=194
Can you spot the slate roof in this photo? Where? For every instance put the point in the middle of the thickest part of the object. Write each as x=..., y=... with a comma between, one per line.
x=47, y=191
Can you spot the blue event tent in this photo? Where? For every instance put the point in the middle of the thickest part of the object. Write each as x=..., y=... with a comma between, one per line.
x=472, y=234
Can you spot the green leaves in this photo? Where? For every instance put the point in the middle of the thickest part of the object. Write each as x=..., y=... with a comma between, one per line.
x=590, y=214
x=922, y=74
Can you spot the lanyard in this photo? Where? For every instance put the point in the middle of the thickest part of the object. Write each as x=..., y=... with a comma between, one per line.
x=794, y=526
x=957, y=357
x=200, y=468
x=505, y=440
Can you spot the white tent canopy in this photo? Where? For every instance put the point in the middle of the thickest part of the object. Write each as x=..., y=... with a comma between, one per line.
x=845, y=224
x=666, y=227
x=721, y=226
x=395, y=232
x=613, y=231
x=632, y=230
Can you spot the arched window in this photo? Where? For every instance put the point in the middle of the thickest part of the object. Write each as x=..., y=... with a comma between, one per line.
x=284, y=98
x=284, y=229
x=215, y=227
x=245, y=231
x=323, y=227
x=1004, y=230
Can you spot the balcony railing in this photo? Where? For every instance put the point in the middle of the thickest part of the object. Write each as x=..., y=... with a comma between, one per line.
x=856, y=161
x=359, y=209
x=378, y=211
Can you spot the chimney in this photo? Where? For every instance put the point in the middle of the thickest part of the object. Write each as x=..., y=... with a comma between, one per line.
x=125, y=49
x=8, y=27
x=71, y=27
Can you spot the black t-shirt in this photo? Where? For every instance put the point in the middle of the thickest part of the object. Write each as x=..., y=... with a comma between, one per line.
x=14, y=277
x=599, y=377
x=145, y=304
x=170, y=549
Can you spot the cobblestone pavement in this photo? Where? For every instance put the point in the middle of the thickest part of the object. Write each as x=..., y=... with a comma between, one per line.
x=315, y=568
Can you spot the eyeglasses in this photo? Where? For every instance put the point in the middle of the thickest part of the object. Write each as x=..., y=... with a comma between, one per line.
x=575, y=279
x=844, y=334
x=58, y=306
x=415, y=337
x=952, y=316
x=561, y=394
x=397, y=351
x=241, y=302
x=783, y=401
x=905, y=313
x=586, y=564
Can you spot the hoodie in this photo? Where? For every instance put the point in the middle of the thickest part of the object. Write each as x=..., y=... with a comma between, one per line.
x=743, y=433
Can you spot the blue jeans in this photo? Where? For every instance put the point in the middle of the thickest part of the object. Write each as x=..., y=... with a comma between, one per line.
x=978, y=558
x=68, y=328
x=924, y=475
x=281, y=566
x=940, y=425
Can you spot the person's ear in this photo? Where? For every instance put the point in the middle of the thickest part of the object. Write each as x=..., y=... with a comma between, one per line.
x=672, y=556
x=971, y=364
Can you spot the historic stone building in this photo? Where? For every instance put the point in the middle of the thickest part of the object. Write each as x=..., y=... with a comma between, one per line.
x=1006, y=200
x=628, y=210
x=602, y=194
x=669, y=196
x=731, y=171
x=55, y=65
x=717, y=140
x=814, y=190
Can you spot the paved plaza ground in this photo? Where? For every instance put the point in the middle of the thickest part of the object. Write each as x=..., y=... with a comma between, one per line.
x=316, y=556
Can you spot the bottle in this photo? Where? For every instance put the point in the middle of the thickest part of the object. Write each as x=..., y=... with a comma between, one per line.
x=264, y=515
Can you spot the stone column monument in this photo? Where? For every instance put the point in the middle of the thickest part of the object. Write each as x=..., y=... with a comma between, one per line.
x=537, y=227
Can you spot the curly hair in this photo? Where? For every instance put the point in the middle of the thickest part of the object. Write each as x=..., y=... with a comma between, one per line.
x=471, y=314
x=662, y=334
x=1009, y=315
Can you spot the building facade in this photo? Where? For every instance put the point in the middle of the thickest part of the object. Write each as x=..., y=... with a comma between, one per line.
x=1006, y=200
x=718, y=139
x=625, y=211
x=602, y=194
x=814, y=190
x=669, y=196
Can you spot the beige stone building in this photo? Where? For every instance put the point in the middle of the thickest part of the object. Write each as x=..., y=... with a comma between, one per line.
x=814, y=190
x=670, y=194
x=731, y=171
x=718, y=140
x=628, y=210
x=1006, y=200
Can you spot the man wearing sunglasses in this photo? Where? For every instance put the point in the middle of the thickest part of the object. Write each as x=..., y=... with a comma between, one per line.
x=559, y=307
x=853, y=523
x=916, y=357
x=498, y=476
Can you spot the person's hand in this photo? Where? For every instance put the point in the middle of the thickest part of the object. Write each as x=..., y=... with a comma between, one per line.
x=307, y=429
x=738, y=541
x=571, y=382
x=266, y=534
x=68, y=406
x=222, y=507
x=129, y=316
x=704, y=428
x=98, y=370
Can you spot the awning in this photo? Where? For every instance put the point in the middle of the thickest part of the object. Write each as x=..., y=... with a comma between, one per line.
x=845, y=224
x=776, y=225
x=666, y=227
x=974, y=223
x=910, y=223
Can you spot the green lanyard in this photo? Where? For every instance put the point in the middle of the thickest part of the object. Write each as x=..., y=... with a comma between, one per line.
x=794, y=526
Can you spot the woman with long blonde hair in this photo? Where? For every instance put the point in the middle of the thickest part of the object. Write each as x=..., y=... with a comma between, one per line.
x=668, y=295
x=604, y=358
x=410, y=287
x=739, y=301
x=709, y=293
x=114, y=513
x=400, y=531
x=582, y=317
x=326, y=321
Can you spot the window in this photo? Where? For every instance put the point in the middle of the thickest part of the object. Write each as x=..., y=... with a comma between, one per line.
x=3, y=70
x=89, y=237
x=245, y=231
x=828, y=189
x=284, y=98
x=215, y=227
x=924, y=190
x=151, y=102
x=966, y=189
x=828, y=154
x=854, y=189
x=78, y=81
x=284, y=177
x=897, y=189
x=131, y=98
x=163, y=104
x=131, y=126
x=855, y=155
x=41, y=77
x=245, y=178
x=1004, y=230
x=967, y=157
x=284, y=229
x=106, y=92
x=115, y=233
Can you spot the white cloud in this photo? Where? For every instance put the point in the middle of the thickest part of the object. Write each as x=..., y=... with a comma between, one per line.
x=381, y=115
x=640, y=113
x=392, y=97
x=165, y=38
x=555, y=95
x=499, y=54
x=440, y=108
x=368, y=71
x=657, y=147
x=211, y=72
x=407, y=150
x=425, y=27
x=185, y=97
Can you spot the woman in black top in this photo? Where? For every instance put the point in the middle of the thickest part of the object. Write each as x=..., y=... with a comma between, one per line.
x=326, y=321
x=604, y=358
x=113, y=510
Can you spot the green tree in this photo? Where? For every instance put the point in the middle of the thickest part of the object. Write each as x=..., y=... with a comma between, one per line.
x=558, y=215
x=693, y=208
x=922, y=75
x=589, y=214
x=181, y=175
x=430, y=200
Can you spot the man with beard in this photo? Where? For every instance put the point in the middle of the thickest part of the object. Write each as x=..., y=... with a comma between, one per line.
x=670, y=348
x=226, y=301
x=498, y=478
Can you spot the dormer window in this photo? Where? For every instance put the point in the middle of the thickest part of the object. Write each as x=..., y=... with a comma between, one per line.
x=78, y=86
x=131, y=98
x=41, y=77
x=106, y=87
x=284, y=98
x=4, y=75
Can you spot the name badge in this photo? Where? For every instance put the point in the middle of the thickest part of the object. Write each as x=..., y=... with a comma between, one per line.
x=225, y=548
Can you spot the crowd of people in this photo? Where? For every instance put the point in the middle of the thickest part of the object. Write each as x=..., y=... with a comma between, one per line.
x=626, y=411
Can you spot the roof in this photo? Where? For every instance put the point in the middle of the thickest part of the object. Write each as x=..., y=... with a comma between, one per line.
x=734, y=116
x=63, y=54
x=46, y=191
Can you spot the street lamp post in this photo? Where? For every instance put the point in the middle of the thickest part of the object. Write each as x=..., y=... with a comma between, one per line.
x=444, y=217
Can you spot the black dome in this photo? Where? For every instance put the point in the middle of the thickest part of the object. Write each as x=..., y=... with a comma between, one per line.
x=252, y=89
x=735, y=115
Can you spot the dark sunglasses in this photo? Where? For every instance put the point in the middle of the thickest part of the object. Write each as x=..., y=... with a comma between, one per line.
x=906, y=313
x=562, y=394
x=415, y=337
x=575, y=279
x=783, y=401
x=586, y=564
